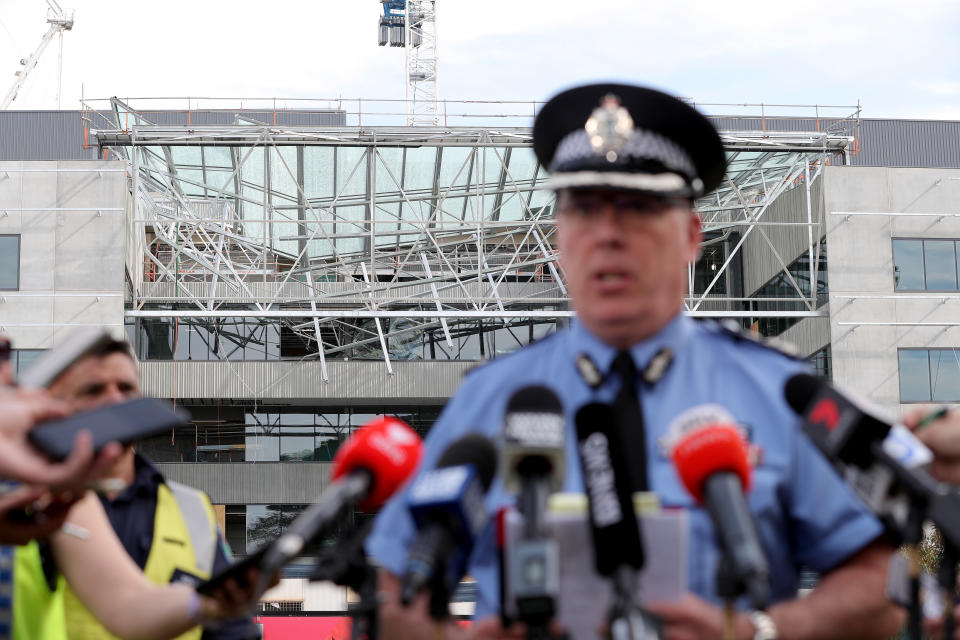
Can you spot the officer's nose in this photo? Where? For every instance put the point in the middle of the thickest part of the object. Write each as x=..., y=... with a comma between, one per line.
x=607, y=224
x=112, y=395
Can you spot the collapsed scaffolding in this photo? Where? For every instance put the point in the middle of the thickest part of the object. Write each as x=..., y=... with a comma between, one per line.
x=360, y=240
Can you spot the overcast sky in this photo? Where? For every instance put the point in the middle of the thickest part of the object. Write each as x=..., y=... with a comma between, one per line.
x=899, y=59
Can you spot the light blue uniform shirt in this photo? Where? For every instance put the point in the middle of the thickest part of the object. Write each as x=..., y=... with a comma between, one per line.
x=805, y=514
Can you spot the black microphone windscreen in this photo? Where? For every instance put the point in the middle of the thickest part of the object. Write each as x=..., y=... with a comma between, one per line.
x=613, y=523
x=473, y=449
x=800, y=389
x=534, y=398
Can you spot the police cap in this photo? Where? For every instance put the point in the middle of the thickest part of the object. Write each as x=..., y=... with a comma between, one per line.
x=625, y=137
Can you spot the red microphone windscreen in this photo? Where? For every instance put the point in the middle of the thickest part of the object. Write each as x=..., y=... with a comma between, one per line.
x=707, y=450
x=386, y=447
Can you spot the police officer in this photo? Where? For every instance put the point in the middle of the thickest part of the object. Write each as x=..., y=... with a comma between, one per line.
x=169, y=529
x=626, y=163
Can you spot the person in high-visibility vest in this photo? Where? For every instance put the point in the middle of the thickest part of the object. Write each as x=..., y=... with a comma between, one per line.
x=168, y=529
x=70, y=541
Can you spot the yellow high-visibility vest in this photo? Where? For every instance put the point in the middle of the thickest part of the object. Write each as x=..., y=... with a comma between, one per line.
x=185, y=538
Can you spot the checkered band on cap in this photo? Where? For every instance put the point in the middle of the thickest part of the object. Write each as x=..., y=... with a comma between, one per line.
x=575, y=149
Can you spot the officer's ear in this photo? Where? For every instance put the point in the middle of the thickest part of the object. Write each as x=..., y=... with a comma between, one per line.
x=694, y=235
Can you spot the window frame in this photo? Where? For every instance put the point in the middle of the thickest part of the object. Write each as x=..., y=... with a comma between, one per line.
x=930, y=388
x=923, y=255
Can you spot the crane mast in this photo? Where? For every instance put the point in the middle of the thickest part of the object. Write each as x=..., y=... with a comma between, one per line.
x=412, y=24
x=59, y=21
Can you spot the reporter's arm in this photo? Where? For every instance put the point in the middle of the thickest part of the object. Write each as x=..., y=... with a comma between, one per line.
x=398, y=622
x=848, y=604
x=942, y=436
x=111, y=585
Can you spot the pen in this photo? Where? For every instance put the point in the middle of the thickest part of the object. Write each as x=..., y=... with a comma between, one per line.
x=930, y=417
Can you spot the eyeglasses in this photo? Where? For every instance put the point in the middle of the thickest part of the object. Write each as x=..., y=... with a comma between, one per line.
x=586, y=205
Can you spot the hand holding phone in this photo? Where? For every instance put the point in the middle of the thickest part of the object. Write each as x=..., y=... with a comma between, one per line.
x=20, y=411
x=125, y=422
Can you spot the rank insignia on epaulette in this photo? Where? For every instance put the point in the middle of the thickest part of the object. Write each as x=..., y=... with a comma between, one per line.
x=657, y=366
x=588, y=370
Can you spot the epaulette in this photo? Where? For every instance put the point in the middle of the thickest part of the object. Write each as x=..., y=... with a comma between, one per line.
x=734, y=330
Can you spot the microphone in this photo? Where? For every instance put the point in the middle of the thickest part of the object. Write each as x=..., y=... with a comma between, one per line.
x=447, y=506
x=713, y=464
x=532, y=460
x=613, y=522
x=617, y=544
x=367, y=469
x=869, y=450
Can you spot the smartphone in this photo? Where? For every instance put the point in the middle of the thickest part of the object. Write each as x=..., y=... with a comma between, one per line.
x=237, y=571
x=76, y=346
x=124, y=423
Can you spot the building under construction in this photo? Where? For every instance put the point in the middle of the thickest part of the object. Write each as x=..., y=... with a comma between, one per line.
x=286, y=273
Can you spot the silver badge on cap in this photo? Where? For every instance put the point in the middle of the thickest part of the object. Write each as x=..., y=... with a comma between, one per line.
x=610, y=127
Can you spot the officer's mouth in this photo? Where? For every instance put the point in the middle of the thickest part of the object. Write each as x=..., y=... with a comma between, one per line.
x=610, y=280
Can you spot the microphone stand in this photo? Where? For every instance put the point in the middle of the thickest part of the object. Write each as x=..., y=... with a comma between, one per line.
x=627, y=620
x=947, y=576
x=912, y=535
x=346, y=564
x=729, y=588
x=536, y=608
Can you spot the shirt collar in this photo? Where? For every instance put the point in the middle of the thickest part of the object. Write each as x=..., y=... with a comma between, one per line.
x=673, y=336
x=146, y=478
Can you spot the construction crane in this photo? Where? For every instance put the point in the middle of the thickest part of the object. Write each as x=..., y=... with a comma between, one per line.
x=412, y=24
x=59, y=21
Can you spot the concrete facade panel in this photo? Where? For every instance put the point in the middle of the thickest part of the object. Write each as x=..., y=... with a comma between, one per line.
x=10, y=182
x=90, y=249
x=38, y=185
x=38, y=255
x=17, y=310
x=67, y=258
x=866, y=310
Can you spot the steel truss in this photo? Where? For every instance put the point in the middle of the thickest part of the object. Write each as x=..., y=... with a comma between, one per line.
x=358, y=238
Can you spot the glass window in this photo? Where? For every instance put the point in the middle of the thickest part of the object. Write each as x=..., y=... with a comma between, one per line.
x=296, y=437
x=940, y=264
x=265, y=523
x=822, y=363
x=221, y=441
x=914, y=375
x=944, y=375
x=9, y=262
x=156, y=339
x=908, y=265
x=262, y=438
x=178, y=445
x=23, y=358
x=235, y=528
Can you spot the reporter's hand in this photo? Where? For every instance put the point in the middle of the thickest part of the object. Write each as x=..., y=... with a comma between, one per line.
x=942, y=436
x=696, y=619
x=492, y=629
x=399, y=622
x=933, y=628
x=46, y=514
x=20, y=411
x=235, y=599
